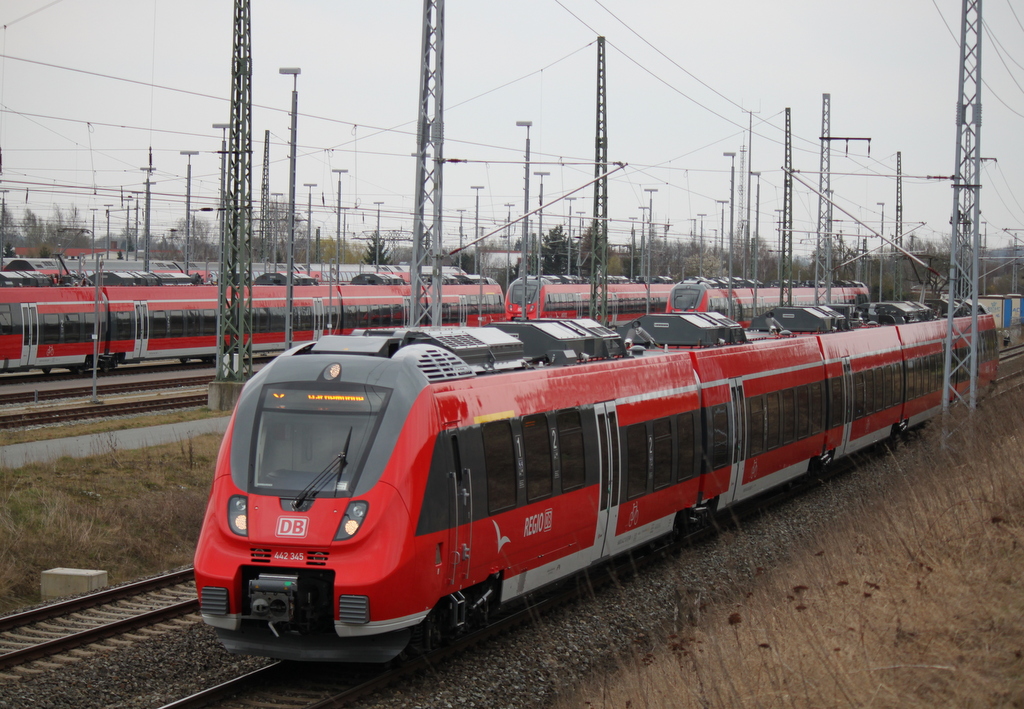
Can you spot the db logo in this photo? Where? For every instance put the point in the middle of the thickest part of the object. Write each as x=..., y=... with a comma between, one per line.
x=291, y=526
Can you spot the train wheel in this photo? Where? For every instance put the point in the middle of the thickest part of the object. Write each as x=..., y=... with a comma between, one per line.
x=426, y=636
x=44, y=370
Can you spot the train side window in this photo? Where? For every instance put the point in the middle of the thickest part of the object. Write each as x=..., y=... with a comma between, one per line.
x=122, y=327
x=616, y=453
x=500, y=462
x=719, y=436
x=662, y=453
x=50, y=332
x=687, y=446
x=755, y=425
x=858, y=395
x=88, y=327
x=6, y=321
x=176, y=323
x=836, y=402
x=896, y=393
x=803, y=411
x=636, y=460
x=817, y=394
x=788, y=416
x=772, y=415
x=879, y=388
x=72, y=327
x=570, y=446
x=537, y=452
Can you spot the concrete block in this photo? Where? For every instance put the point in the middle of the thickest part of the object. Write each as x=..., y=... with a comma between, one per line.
x=222, y=396
x=69, y=582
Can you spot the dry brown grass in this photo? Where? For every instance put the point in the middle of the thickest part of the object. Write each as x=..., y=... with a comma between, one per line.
x=130, y=512
x=913, y=599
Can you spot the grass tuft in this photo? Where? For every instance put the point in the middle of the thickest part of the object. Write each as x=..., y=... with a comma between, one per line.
x=132, y=513
x=913, y=599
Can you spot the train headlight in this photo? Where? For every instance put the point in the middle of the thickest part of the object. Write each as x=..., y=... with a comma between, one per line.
x=332, y=372
x=354, y=517
x=238, y=515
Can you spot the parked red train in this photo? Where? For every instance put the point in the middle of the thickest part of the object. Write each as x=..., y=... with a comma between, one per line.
x=547, y=297
x=44, y=328
x=707, y=295
x=380, y=491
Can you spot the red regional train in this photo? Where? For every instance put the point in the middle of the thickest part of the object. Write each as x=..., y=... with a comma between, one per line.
x=709, y=295
x=52, y=327
x=547, y=297
x=388, y=489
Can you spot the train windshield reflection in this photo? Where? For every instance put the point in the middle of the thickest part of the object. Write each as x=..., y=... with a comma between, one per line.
x=301, y=431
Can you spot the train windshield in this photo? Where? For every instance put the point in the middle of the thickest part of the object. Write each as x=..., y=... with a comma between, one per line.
x=314, y=439
x=515, y=293
x=686, y=297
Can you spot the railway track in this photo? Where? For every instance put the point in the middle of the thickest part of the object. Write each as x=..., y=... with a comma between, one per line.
x=40, y=377
x=103, y=390
x=1008, y=354
x=82, y=413
x=60, y=627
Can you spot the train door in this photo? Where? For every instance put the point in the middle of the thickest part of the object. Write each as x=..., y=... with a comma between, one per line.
x=608, y=506
x=141, y=330
x=847, y=404
x=464, y=308
x=460, y=534
x=318, y=318
x=30, y=333
x=737, y=441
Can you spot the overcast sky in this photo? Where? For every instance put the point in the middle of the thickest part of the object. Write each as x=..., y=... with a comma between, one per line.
x=87, y=87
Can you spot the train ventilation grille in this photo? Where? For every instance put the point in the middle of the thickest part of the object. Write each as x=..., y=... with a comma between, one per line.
x=437, y=365
x=316, y=558
x=214, y=601
x=260, y=556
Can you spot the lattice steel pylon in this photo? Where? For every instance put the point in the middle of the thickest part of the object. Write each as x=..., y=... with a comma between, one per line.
x=962, y=363
x=265, y=200
x=599, y=228
x=786, y=268
x=897, y=275
x=234, y=346
x=823, y=252
x=426, y=238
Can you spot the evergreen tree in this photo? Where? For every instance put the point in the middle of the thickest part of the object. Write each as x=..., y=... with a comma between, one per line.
x=377, y=250
x=554, y=255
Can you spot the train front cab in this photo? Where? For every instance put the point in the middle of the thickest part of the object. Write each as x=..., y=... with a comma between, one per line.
x=322, y=570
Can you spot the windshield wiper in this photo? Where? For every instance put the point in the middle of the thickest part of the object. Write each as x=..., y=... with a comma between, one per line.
x=318, y=483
